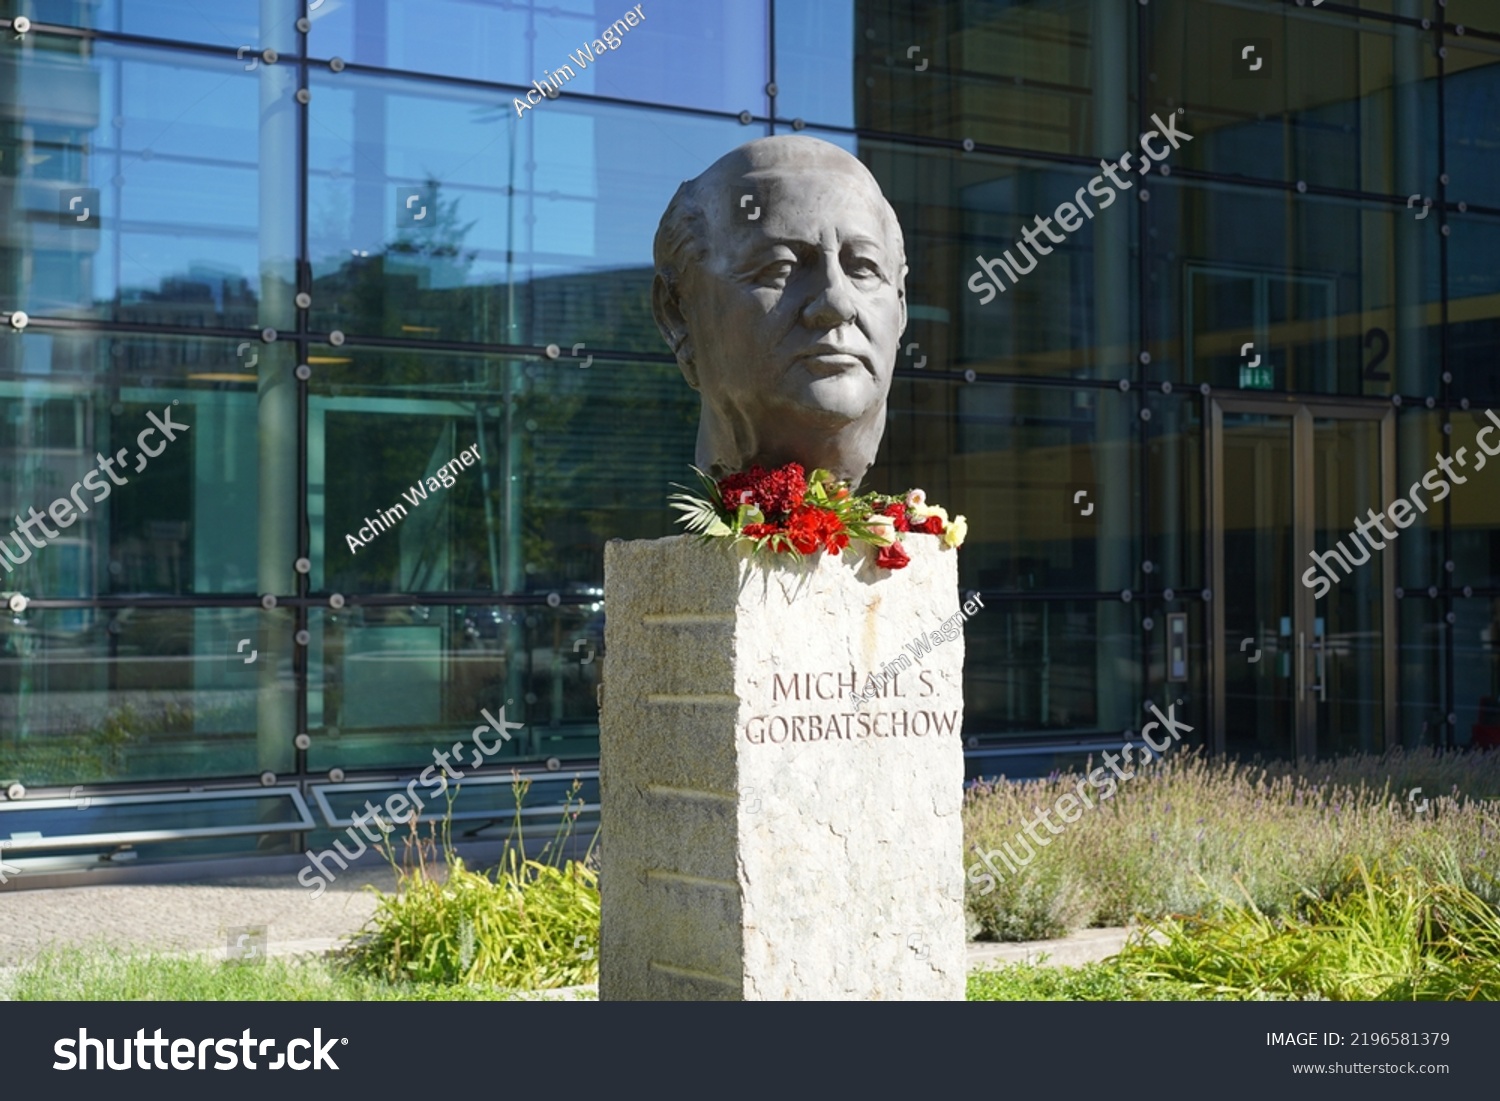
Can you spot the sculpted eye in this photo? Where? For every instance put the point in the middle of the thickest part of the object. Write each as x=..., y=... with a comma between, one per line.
x=776, y=271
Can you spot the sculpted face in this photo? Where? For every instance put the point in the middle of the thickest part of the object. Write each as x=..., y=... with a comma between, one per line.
x=790, y=324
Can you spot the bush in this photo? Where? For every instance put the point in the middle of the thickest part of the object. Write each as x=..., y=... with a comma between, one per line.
x=1384, y=936
x=533, y=925
x=1187, y=833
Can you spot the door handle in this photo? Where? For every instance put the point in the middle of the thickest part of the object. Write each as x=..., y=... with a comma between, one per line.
x=1320, y=658
x=1301, y=666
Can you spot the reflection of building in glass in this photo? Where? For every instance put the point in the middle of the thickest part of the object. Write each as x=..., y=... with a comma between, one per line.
x=1149, y=433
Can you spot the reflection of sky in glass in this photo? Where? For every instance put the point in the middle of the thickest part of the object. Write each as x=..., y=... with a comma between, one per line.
x=815, y=62
x=176, y=144
x=708, y=54
x=217, y=22
x=584, y=197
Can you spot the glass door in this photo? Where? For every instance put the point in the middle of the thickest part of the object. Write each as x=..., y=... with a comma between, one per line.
x=1303, y=612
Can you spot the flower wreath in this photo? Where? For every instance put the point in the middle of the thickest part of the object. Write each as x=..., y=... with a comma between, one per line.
x=786, y=511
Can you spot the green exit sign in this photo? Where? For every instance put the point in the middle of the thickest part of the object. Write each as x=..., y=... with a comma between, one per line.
x=1256, y=378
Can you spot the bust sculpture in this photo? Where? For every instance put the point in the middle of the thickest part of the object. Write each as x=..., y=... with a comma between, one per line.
x=781, y=288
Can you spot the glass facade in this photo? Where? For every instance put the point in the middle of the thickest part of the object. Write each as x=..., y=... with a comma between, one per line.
x=403, y=331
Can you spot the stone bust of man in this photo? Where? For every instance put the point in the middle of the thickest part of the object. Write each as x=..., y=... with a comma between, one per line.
x=781, y=288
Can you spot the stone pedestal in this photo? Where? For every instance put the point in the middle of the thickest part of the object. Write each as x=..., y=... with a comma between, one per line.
x=763, y=837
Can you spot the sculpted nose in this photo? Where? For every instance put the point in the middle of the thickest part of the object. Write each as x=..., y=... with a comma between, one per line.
x=836, y=303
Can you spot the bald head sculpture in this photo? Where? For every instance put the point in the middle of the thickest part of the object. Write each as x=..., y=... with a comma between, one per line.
x=781, y=287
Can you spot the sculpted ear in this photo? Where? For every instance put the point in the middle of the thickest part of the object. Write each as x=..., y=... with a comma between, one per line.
x=667, y=310
x=901, y=295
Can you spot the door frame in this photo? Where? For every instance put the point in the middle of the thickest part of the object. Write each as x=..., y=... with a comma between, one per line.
x=1300, y=410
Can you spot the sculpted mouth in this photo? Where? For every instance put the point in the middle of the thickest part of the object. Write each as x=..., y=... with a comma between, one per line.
x=825, y=360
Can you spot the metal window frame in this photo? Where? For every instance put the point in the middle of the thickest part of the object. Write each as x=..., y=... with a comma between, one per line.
x=320, y=792
x=303, y=822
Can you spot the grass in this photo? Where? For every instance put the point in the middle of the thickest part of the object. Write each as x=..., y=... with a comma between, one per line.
x=1384, y=935
x=1186, y=834
x=104, y=973
x=1093, y=982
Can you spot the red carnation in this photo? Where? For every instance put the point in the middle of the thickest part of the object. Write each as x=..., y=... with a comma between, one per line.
x=933, y=525
x=775, y=492
x=892, y=557
x=811, y=529
x=897, y=512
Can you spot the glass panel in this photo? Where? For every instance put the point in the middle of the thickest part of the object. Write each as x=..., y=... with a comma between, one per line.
x=1471, y=124
x=1422, y=668
x=1174, y=492
x=1335, y=102
x=1419, y=552
x=133, y=460
x=567, y=457
x=1345, y=663
x=1476, y=671
x=1474, y=505
x=221, y=23
x=92, y=695
x=1062, y=305
x=1478, y=15
x=1046, y=478
x=392, y=685
x=706, y=54
x=1050, y=78
x=1280, y=291
x=1257, y=495
x=1474, y=307
x=412, y=235
x=124, y=206
x=1051, y=667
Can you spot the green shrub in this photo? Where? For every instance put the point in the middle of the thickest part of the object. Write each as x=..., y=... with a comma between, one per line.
x=532, y=924
x=1384, y=935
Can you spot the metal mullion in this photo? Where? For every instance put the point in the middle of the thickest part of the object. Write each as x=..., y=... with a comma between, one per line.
x=304, y=281
x=1304, y=607
x=1215, y=516
x=1450, y=702
x=1387, y=429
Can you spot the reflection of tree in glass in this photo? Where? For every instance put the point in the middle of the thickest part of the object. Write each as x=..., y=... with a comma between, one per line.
x=595, y=447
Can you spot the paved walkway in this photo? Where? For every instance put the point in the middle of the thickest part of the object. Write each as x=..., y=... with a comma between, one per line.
x=198, y=917
x=185, y=917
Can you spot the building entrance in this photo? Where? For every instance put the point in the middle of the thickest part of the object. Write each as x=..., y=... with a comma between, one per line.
x=1307, y=666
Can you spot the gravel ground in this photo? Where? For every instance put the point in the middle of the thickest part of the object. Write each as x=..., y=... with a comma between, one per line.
x=183, y=917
